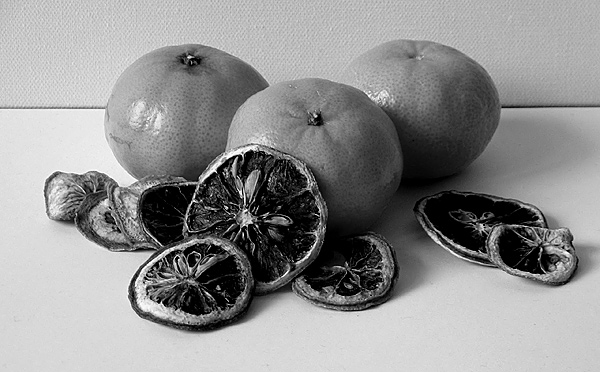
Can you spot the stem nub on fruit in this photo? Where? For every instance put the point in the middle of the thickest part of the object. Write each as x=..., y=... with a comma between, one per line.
x=190, y=60
x=315, y=118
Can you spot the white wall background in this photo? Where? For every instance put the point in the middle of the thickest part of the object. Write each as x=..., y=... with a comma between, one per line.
x=69, y=53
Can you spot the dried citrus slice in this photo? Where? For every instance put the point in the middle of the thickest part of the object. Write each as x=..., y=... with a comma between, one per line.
x=125, y=199
x=96, y=220
x=268, y=203
x=64, y=192
x=162, y=210
x=460, y=222
x=541, y=254
x=354, y=273
x=198, y=283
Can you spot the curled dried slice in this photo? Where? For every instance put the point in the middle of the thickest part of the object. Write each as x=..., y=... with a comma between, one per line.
x=460, y=222
x=64, y=192
x=268, y=203
x=541, y=254
x=162, y=210
x=95, y=220
x=125, y=201
x=354, y=273
x=198, y=283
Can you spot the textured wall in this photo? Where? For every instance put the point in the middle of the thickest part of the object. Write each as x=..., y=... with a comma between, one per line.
x=68, y=53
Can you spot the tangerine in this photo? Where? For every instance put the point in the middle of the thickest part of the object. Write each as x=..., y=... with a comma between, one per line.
x=170, y=110
x=348, y=142
x=443, y=103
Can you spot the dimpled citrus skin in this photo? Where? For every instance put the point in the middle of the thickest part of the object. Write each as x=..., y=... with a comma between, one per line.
x=170, y=110
x=444, y=105
x=348, y=142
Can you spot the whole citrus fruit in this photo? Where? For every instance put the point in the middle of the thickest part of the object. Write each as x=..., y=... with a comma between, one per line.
x=348, y=142
x=444, y=104
x=170, y=110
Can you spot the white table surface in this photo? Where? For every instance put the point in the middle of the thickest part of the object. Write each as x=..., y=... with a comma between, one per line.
x=64, y=303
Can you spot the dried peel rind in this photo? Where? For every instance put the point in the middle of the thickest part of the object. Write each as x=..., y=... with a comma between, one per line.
x=162, y=210
x=360, y=272
x=461, y=221
x=199, y=283
x=64, y=192
x=95, y=220
x=124, y=201
x=268, y=203
x=541, y=254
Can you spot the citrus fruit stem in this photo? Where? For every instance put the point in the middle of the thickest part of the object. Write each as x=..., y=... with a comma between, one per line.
x=315, y=118
x=190, y=60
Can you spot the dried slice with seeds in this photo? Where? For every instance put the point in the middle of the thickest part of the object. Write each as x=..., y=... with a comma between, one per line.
x=541, y=254
x=460, y=222
x=354, y=273
x=162, y=210
x=64, y=192
x=199, y=283
x=268, y=203
x=96, y=220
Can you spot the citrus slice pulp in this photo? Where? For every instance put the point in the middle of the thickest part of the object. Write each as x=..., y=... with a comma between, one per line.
x=162, y=210
x=460, y=222
x=354, y=273
x=198, y=283
x=268, y=203
x=541, y=254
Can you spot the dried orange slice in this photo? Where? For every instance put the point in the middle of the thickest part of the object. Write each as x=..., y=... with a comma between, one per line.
x=96, y=220
x=354, y=273
x=269, y=204
x=125, y=201
x=541, y=254
x=198, y=283
x=460, y=222
x=162, y=210
x=64, y=192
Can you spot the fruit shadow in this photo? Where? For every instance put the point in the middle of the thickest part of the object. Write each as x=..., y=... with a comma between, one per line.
x=411, y=243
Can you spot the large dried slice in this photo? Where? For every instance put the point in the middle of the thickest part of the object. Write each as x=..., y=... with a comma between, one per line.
x=95, y=219
x=353, y=273
x=541, y=254
x=268, y=203
x=460, y=222
x=125, y=201
x=198, y=283
x=64, y=192
x=162, y=210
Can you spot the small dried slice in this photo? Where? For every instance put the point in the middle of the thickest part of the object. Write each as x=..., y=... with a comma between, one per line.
x=95, y=220
x=460, y=222
x=268, y=203
x=198, y=283
x=541, y=254
x=162, y=210
x=125, y=200
x=64, y=192
x=354, y=273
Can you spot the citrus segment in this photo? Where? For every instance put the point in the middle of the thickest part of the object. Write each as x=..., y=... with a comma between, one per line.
x=269, y=204
x=355, y=273
x=460, y=222
x=199, y=283
x=541, y=254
